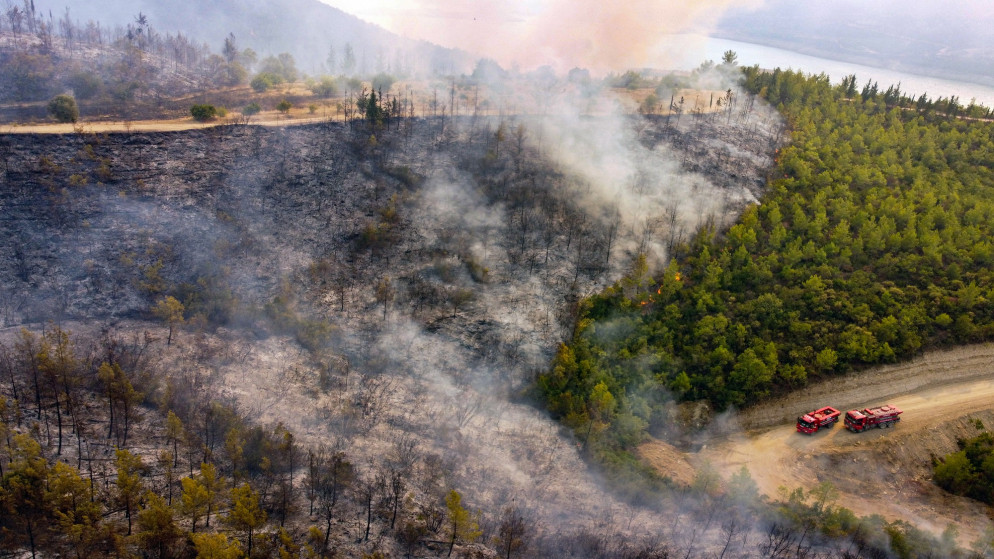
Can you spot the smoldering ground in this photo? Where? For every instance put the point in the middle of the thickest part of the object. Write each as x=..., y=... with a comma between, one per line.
x=462, y=272
x=454, y=371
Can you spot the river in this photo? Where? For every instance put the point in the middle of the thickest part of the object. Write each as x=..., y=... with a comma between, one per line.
x=693, y=49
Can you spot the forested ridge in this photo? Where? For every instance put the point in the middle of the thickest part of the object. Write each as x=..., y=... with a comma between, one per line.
x=873, y=243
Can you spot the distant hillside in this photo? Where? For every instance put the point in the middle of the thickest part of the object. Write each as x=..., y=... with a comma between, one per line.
x=954, y=43
x=308, y=29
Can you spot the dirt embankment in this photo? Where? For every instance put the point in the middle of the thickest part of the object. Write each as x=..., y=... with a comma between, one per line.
x=886, y=472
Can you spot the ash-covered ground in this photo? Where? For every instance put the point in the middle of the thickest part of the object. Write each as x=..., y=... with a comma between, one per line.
x=379, y=287
x=482, y=230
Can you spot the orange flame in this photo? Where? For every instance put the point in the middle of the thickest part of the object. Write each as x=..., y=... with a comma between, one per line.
x=677, y=276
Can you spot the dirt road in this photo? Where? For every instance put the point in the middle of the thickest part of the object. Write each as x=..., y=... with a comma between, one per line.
x=885, y=471
x=933, y=369
x=99, y=127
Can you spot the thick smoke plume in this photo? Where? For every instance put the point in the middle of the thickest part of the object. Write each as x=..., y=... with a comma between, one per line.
x=601, y=36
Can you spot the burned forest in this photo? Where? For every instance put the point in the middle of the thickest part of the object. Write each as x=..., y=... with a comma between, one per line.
x=354, y=302
x=442, y=222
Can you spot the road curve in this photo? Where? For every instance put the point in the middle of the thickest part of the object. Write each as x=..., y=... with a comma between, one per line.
x=882, y=471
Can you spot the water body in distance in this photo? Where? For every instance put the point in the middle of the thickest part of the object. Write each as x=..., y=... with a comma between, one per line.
x=685, y=52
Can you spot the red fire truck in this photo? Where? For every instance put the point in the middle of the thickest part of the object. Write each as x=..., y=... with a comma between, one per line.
x=810, y=422
x=858, y=421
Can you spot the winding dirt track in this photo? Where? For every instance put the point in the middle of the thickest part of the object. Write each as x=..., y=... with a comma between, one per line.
x=882, y=471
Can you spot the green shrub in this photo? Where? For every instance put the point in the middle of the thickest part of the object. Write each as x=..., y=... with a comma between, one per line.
x=325, y=88
x=265, y=80
x=969, y=472
x=203, y=113
x=63, y=108
x=251, y=109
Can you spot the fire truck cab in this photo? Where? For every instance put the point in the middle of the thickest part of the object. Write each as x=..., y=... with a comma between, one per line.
x=810, y=423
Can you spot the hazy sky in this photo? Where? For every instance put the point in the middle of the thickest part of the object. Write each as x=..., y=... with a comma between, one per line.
x=600, y=34
x=596, y=34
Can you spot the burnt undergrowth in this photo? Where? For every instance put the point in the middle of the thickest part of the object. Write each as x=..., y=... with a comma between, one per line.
x=371, y=283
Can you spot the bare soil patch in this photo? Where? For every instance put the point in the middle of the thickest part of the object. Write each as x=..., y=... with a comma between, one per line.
x=668, y=459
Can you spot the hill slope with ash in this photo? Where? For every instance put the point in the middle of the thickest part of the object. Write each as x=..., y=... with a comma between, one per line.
x=429, y=269
x=99, y=226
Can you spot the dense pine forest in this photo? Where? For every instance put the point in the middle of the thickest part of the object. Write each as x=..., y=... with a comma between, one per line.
x=872, y=244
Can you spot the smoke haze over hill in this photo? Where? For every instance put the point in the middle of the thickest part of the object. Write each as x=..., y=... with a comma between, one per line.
x=925, y=37
x=935, y=38
x=596, y=35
